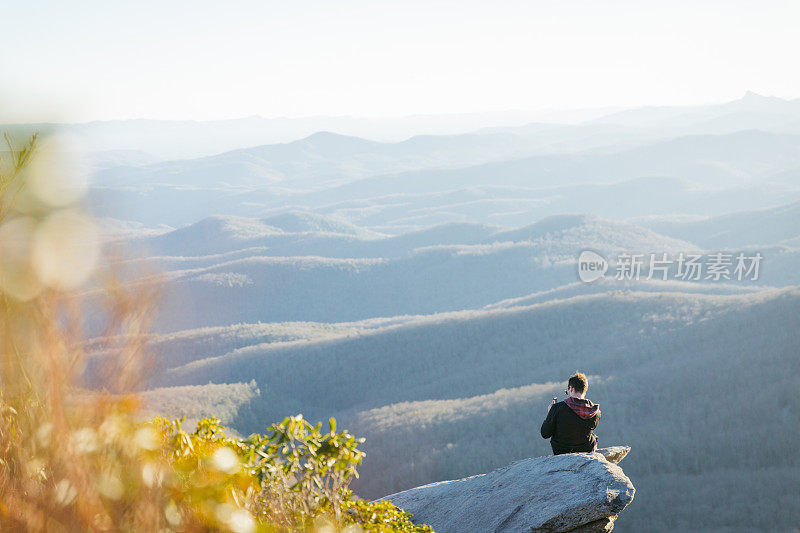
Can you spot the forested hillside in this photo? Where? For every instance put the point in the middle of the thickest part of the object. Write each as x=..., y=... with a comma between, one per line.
x=675, y=375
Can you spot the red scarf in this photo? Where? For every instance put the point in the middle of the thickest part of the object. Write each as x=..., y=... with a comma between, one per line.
x=583, y=407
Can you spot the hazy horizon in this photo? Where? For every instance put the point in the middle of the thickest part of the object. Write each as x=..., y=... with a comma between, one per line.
x=92, y=61
x=545, y=114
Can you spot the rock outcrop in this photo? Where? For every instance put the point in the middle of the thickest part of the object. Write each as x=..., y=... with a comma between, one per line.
x=614, y=454
x=577, y=492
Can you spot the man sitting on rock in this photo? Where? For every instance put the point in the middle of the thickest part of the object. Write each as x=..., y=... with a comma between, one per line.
x=569, y=424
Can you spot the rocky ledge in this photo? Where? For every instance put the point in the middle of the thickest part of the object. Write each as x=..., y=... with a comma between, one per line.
x=578, y=492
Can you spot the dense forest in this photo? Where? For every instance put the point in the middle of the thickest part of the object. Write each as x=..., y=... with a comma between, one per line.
x=680, y=378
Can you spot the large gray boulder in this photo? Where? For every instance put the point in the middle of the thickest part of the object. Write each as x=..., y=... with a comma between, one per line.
x=579, y=492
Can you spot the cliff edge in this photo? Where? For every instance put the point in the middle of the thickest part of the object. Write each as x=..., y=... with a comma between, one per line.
x=578, y=492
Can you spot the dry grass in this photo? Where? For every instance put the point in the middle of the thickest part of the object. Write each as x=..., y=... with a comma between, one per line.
x=68, y=460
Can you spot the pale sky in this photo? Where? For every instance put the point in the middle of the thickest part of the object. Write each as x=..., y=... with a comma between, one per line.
x=83, y=60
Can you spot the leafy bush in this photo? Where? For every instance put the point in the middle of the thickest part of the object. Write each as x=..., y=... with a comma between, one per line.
x=293, y=477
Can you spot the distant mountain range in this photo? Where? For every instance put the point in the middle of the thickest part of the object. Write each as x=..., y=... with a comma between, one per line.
x=327, y=159
x=697, y=161
x=322, y=159
x=177, y=139
x=752, y=111
x=775, y=225
x=425, y=291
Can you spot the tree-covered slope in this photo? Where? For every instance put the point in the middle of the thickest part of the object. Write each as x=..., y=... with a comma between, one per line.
x=450, y=395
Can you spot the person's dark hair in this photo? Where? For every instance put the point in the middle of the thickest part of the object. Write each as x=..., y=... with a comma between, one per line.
x=579, y=382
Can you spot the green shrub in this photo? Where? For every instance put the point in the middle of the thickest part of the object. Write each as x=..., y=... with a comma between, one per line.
x=293, y=477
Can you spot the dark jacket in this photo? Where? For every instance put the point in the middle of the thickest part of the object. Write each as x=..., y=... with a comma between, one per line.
x=568, y=431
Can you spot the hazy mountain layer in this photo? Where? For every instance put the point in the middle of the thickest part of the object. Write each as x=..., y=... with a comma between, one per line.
x=775, y=225
x=255, y=285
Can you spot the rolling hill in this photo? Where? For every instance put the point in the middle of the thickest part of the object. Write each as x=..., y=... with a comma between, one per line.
x=292, y=234
x=253, y=284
